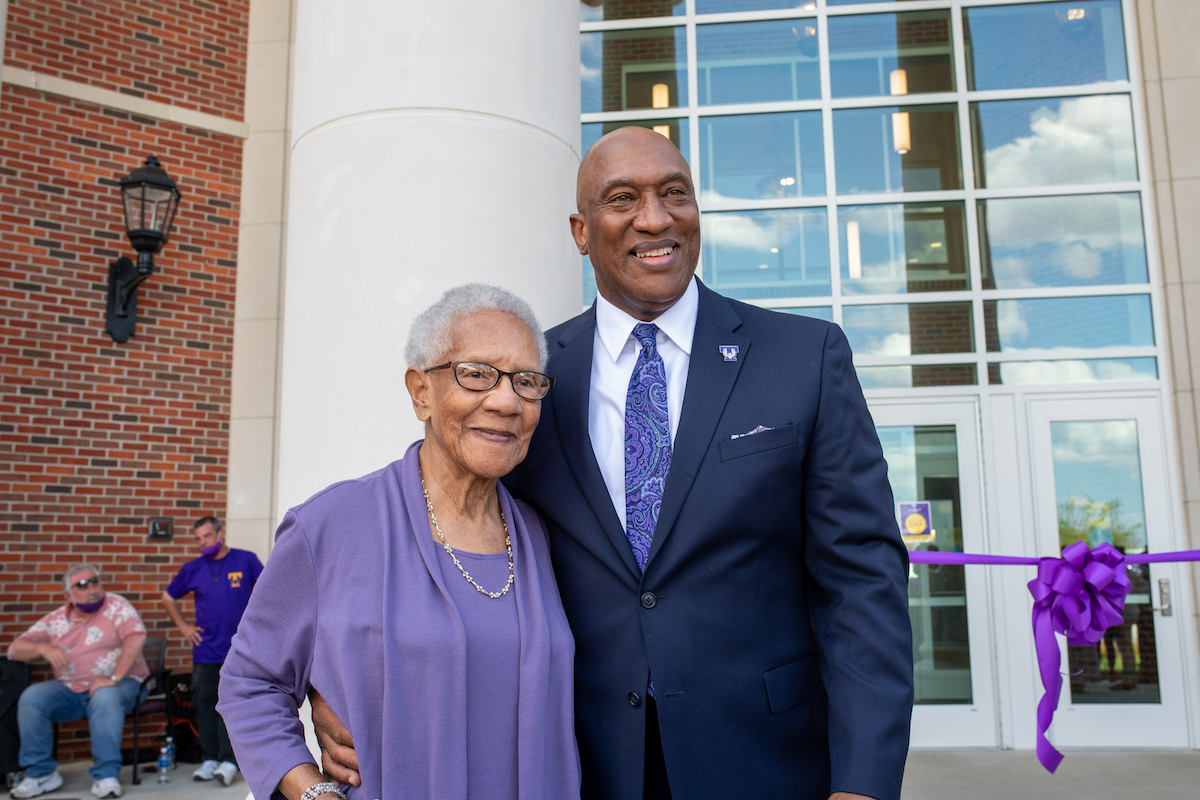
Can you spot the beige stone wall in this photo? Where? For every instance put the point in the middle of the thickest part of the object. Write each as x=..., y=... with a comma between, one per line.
x=1167, y=32
x=258, y=318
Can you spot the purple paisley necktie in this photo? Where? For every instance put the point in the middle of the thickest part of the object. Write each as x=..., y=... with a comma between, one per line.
x=647, y=443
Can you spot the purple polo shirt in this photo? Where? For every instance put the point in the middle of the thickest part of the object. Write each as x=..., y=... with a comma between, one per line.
x=222, y=590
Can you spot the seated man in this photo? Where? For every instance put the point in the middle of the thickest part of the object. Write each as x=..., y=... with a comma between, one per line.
x=94, y=643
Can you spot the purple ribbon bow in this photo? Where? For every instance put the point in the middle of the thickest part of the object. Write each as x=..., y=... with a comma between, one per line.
x=1080, y=595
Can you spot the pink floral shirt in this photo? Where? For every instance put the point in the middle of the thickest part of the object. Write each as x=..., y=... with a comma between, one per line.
x=94, y=643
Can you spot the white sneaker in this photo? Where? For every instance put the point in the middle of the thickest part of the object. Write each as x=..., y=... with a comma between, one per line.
x=227, y=772
x=32, y=787
x=206, y=771
x=107, y=787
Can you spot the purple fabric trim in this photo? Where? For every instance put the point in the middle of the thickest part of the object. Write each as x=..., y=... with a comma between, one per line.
x=1080, y=595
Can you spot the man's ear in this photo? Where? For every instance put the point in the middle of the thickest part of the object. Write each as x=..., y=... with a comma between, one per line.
x=420, y=389
x=579, y=232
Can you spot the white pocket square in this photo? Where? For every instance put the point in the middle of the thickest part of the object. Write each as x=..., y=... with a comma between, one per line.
x=759, y=429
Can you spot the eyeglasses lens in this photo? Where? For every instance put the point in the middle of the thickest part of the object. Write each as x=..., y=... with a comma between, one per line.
x=476, y=377
x=481, y=377
x=83, y=584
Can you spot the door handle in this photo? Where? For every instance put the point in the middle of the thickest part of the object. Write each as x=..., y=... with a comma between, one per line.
x=1164, y=597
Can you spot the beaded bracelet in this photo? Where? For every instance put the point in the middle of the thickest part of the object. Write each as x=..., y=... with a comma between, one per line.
x=318, y=789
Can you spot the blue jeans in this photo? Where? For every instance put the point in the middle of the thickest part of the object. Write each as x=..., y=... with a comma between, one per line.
x=45, y=703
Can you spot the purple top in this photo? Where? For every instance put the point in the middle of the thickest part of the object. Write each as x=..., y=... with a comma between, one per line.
x=493, y=655
x=222, y=590
x=354, y=602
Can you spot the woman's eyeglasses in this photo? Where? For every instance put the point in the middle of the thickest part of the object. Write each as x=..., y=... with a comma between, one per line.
x=482, y=377
x=86, y=582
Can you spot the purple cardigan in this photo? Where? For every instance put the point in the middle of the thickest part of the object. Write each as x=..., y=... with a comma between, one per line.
x=352, y=602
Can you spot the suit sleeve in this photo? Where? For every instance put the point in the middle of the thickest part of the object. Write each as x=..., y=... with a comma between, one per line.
x=266, y=675
x=859, y=600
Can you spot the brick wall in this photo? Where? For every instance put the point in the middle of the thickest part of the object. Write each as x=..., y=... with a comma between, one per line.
x=190, y=53
x=95, y=437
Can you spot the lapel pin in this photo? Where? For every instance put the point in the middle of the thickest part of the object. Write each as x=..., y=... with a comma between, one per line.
x=730, y=351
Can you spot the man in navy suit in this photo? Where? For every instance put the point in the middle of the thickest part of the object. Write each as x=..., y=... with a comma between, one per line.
x=754, y=640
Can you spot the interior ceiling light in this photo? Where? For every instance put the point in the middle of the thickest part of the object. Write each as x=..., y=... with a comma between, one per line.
x=853, y=250
x=665, y=130
x=787, y=181
x=660, y=96
x=901, y=133
x=899, y=81
x=1076, y=13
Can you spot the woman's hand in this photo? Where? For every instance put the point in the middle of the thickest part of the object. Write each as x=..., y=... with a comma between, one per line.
x=338, y=758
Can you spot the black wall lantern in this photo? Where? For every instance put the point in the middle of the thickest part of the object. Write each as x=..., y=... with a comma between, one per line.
x=150, y=198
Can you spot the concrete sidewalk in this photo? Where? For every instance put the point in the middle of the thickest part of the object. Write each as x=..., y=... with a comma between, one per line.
x=77, y=785
x=1090, y=774
x=932, y=775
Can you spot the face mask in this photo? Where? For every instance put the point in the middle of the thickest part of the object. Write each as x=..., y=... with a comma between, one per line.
x=211, y=552
x=90, y=608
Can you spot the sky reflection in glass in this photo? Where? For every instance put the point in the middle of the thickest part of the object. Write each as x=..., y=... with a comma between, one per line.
x=891, y=54
x=816, y=312
x=904, y=329
x=1053, y=141
x=757, y=62
x=761, y=156
x=1086, y=240
x=1086, y=370
x=619, y=70
x=902, y=376
x=868, y=145
x=776, y=253
x=1053, y=323
x=903, y=247
x=1044, y=44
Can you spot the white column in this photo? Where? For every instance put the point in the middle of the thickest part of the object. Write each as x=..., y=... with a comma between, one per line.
x=433, y=144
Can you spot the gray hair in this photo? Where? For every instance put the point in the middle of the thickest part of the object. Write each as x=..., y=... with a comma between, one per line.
x=75, y=570
x=430, y=336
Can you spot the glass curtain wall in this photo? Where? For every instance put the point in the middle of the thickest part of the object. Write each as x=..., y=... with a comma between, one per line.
x=956, y=185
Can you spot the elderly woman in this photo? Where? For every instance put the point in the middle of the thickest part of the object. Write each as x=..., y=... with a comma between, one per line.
x=419, y=600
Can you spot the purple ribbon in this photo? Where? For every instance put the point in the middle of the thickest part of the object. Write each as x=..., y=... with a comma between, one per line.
x=1080, y=595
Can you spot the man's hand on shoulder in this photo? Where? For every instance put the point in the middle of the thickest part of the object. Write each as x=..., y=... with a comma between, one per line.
x=849, y=796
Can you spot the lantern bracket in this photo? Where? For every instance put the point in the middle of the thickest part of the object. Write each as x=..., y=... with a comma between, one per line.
x=149, y=198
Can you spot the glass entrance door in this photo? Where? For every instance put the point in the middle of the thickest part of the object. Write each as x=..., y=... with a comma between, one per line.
x=933, y=466
x=1100, y=476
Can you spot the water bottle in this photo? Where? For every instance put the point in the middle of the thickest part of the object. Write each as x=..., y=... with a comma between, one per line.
x=164, y=764
x=171, y=750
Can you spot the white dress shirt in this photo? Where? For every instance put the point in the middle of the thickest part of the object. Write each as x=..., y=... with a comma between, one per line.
x=614, y=354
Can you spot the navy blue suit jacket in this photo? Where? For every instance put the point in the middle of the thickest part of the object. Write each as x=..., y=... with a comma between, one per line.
x=778, y=630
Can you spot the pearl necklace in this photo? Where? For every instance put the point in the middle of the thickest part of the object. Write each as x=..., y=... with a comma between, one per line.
x=507, y=543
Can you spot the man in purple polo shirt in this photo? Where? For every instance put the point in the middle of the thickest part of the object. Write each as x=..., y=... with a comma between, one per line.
x=221, y=580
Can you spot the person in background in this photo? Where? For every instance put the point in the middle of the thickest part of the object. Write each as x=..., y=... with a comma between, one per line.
x=94, y=644
x=221, y=580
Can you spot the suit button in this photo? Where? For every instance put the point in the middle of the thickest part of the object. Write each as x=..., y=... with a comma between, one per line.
x=635, y=699
x=648, y=600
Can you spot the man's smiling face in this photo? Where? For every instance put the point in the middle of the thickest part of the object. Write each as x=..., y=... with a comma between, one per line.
x=638, y=220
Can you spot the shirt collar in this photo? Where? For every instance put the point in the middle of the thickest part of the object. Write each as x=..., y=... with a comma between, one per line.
x=615, y=327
